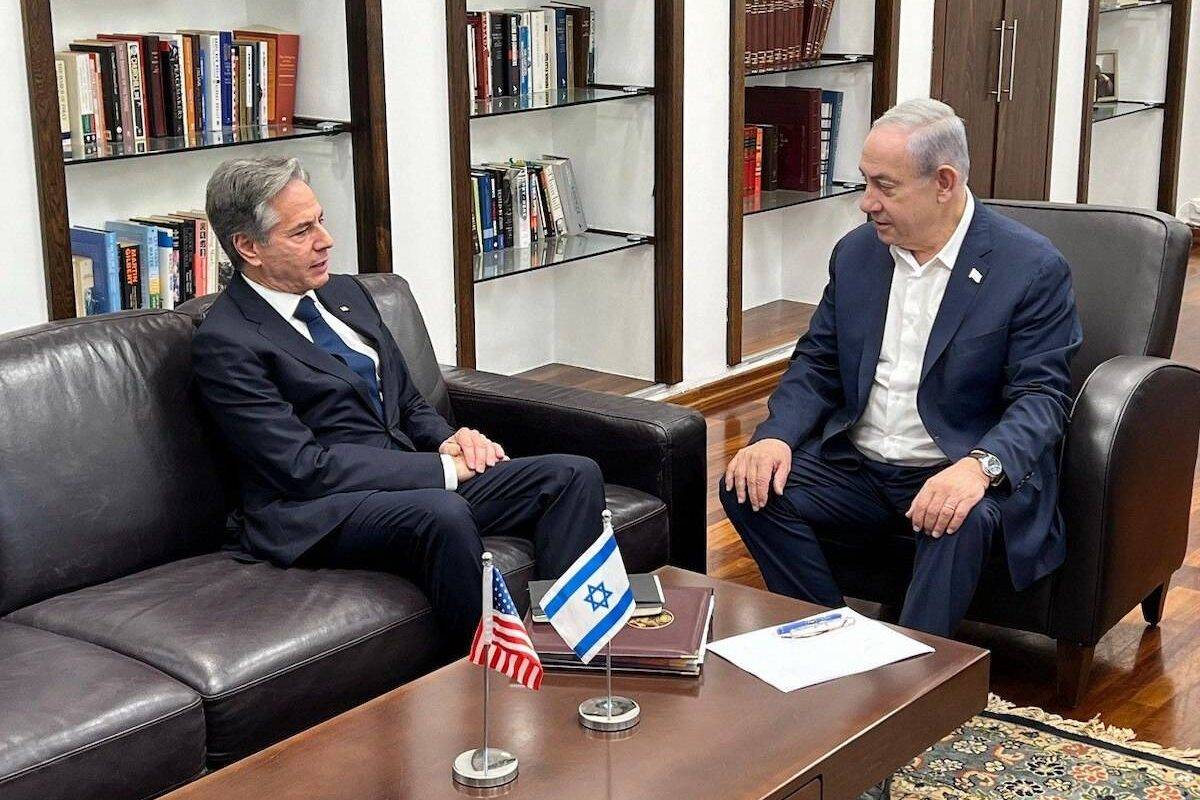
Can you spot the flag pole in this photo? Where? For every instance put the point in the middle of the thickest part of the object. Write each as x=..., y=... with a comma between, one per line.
x=608, y=676
x=485, y=767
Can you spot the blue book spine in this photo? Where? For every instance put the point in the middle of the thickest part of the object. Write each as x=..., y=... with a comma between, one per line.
x=526, y=61
x=560, y=45
x=101, y=247
x=226, y=78
x=487, y=223
x=147, y=239
x=202, y=97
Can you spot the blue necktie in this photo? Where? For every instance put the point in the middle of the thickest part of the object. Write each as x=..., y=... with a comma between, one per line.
x=324, y=337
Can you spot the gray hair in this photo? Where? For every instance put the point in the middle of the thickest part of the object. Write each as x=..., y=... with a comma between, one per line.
x=938, y=135
x=239, y=194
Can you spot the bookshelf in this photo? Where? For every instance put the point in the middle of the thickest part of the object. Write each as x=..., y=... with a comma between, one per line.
x=1133, y=158
x=339, y=130
x=779, y=241
x=603, y=308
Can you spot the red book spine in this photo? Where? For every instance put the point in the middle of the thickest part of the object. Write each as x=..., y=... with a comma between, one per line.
x=748, y=143
x=758, y=158
x=287, y=62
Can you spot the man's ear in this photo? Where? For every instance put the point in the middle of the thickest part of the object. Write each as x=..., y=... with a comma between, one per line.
x=948, y=180
x=247, y=248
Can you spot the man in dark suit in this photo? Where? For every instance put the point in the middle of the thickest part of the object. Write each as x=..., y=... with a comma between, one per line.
x=929, y=394
x=342, y=461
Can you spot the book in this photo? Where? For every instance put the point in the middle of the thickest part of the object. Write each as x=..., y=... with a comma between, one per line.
x=85, y=296
x=81, y=107
x=101, y=247
x=831, y=120
x=796, y=113
x=108, y=96
x=129, y=270
x=647, y=595
x=146, y=238
x=568, y=191
x=64, y=114
x=673, y=642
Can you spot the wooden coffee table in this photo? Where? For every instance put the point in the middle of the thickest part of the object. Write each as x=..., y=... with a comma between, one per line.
x=726, y=735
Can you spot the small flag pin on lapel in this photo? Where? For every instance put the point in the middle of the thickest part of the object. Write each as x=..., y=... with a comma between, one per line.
x=347, y=308
x=975, y=275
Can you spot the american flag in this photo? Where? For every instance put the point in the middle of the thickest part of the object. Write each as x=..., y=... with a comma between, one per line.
x=510, y=651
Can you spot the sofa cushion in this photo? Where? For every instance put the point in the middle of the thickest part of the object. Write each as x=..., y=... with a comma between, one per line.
x=77, y=720
x=640, y=522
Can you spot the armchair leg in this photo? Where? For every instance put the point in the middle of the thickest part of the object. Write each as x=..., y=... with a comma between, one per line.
x=1074, y=665
x=1155, y=603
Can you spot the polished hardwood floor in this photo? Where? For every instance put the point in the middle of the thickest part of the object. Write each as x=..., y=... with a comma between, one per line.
x=773, y=324
x=1147, y=679
x=582, y=378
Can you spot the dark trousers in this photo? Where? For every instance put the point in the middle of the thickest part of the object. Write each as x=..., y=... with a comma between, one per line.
x=860, y=506
x=433, y=537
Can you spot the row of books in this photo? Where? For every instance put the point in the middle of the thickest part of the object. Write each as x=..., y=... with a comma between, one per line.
x=790, y=138
x=783, y=34
x=155, y=261
x=526, y=52
x=524, y=202
x=668, y=633
x=130, y=87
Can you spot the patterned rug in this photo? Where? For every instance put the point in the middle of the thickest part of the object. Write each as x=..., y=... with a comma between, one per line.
x=1020, y=753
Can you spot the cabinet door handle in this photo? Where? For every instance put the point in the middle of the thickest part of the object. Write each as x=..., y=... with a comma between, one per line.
x=998, y=91
x=1012, y=59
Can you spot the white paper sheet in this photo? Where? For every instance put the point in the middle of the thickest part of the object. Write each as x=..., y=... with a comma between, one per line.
x=790, y=664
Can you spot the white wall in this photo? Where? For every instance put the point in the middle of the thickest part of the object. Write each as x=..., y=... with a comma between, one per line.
x=1189, y=157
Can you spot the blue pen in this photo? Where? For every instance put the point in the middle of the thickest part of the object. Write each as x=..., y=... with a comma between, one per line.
x=813, y=626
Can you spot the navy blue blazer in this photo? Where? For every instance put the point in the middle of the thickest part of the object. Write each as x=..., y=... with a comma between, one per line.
x=995, y=374
x=309, y=442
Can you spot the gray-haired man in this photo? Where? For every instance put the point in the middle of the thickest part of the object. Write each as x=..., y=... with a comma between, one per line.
x=929, y=394
x=342, y=462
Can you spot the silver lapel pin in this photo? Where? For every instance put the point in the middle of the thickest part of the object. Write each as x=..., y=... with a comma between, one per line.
x=343, y=308
x=974, y=275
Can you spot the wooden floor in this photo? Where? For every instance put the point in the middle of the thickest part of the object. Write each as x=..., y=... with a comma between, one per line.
x=1145, y=679
x=778, y=323
x=581, y=378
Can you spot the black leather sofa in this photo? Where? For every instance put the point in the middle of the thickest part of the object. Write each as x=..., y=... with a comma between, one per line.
x=136, y=653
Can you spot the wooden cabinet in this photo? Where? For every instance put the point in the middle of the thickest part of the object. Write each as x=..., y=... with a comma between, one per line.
x=995, y=62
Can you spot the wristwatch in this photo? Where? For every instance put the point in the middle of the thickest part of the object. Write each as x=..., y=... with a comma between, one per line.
x=991, y=465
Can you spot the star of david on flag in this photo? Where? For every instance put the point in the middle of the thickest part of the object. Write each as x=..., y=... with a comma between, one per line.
x=591, y=602
x=510, y=651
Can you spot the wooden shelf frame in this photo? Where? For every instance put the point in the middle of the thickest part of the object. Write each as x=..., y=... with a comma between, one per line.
x=368, y=131
x=1172, y=132
x=883, y=97
x=668, y=187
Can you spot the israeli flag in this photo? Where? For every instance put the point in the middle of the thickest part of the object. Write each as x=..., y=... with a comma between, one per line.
x=591, y=602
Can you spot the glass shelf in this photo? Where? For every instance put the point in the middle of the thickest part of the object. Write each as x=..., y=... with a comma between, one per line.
x=785, y=198
x=1142, y=4
x=576, y=96
x=552, y=252
x=1102, y=112
x=826, y=60
x=205, y=140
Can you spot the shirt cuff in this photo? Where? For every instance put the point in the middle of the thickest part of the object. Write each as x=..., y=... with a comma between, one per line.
x=450, y=471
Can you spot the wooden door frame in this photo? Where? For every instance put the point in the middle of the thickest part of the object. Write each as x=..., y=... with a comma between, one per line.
x=1172, y=132
x=668, y=188
x=938, y=71
x=368, y=122
x=883, y=96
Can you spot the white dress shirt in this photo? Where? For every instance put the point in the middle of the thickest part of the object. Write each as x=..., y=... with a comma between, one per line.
x=890, y=429
x=285, y=304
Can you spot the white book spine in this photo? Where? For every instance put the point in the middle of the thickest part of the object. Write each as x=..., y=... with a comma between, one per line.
x=214, y=82
x=472, y=74
x=263, y=77
x=64, y=109
x=551, y=40
x=520, y=190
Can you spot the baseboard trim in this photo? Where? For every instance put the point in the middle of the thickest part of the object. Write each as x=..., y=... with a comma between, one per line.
x=757, y=382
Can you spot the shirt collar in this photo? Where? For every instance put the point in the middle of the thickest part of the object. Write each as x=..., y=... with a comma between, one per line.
x=284, y=303
x=948, y=255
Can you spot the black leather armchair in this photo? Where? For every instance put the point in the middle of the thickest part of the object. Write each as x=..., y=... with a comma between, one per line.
x=1129, y=455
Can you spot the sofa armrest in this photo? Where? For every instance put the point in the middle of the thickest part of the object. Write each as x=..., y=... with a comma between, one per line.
x=656, y=448
x=1128, y=466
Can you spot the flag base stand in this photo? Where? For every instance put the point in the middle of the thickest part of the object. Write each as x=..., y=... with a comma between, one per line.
x=470, y=769
x=595, y=713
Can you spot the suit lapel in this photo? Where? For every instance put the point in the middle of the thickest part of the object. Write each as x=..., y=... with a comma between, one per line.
x=875, y=316
x=281, y=333
x=962, y=289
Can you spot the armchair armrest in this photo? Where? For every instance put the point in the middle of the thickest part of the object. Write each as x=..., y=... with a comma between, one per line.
x=1128, y=466
x=657, y=448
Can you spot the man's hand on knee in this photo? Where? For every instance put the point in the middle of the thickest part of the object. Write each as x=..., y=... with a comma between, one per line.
x=947, y=497
x=756, y=469
x=476, y=451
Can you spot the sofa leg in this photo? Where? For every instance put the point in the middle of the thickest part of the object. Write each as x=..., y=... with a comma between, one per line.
x=1074, y=665
x=1155, y=603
